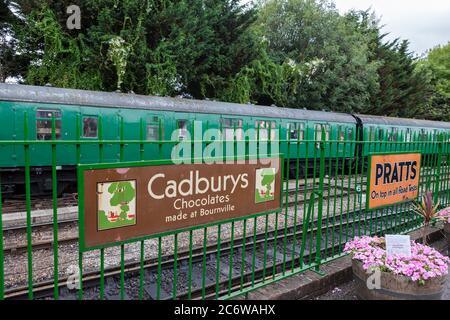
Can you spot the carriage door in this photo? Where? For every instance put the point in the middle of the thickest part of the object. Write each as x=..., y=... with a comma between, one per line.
x=318, y=131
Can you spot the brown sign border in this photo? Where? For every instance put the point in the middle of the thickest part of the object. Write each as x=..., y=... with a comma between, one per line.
x=369, y=165
x=81, y=200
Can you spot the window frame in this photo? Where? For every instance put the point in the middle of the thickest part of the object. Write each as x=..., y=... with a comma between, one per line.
x=58, y=119
x=82, y=126
x=180, y=130
x=235, y=125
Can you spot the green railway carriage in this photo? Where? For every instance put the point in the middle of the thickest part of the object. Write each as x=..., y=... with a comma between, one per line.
x=92, y=127
x=423, y=134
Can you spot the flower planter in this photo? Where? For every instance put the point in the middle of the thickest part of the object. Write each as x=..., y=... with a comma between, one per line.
x=420, y=276
x=396, y=287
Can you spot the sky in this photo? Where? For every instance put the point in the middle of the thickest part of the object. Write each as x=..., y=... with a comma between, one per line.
x=425, y=23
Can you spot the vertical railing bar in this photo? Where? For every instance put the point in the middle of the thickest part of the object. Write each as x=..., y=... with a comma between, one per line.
x=158, y=280
x=335, y=195
x=329, y=143
x=354, y=147
x=102, y=273
x=122, y=272
x=80, y=254
x=344, y=144
x=320, y=204
x=55, y=211
x=141, y=271
x=28, y=208
x=244, y=242
x=80, y=269
x=219, y=227
x=254, y=251
x=297, y=168
x=304, y=238
x=2, y=257
x=175, y=266
x=205, y=236
x=286, y=205
x=265, y=248
x=360, y=154
x=190, y=265
x=230, y=271
x=349, y=179
x=311, y=235
x=275, y=247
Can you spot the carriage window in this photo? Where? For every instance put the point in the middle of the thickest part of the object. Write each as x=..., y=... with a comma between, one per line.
x=292, y=131
x=350, y=133
x=229, y=125
x=319, y=132
x=295, y=131
x=392, y=136
x=408, y=135
x=153, y=129
x=422, y=135
x=44, y=124
x=273, y=130
x=90, y=127
x=372, y=134
x=153, y=132
x=182, y=126
x=341, y=134
x=262, y=127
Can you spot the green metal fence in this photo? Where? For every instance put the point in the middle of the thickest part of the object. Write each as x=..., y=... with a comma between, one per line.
x=323, y=207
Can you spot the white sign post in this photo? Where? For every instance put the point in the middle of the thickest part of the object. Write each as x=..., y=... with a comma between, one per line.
x=398, y=245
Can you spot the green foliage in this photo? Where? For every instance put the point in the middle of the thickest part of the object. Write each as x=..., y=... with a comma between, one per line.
x=439, y=62
x=290, y=53
x=328, y=57
x=12, y=62
x=436, y=67
x=187, y=47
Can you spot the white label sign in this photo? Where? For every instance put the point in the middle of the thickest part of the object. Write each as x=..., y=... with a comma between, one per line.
x=398, y=245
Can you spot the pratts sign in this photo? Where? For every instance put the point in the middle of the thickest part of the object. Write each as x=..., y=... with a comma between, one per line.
x=143, y=200
x=393, y=178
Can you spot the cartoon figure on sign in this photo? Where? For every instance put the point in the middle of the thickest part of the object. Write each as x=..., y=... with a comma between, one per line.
x=116, y=204
x=265, y=185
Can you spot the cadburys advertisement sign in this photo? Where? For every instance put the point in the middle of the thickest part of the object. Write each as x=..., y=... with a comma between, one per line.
x=142, y=200
x=393, y=178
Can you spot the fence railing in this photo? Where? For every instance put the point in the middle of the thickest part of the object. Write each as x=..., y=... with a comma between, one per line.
x=323, y=207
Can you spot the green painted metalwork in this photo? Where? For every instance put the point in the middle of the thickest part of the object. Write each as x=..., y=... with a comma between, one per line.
x=319, y=214
x=2, y=256
x=28, y=208
x=55, y=211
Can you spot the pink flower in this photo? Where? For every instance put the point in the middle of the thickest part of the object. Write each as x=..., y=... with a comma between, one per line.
x=425, y=262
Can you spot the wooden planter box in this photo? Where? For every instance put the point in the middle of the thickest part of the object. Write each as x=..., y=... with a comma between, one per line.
x=396, y=287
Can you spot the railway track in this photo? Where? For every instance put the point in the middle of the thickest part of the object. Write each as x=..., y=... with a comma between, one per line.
x=344, y=191
x=211, y=270
x=48, y=244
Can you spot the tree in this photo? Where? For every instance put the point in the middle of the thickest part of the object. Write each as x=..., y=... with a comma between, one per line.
x=402, y=90
x=329, y=56
x=161, y=47
x=12, y=62
x=439, y=63
x=437, y=68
